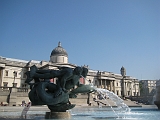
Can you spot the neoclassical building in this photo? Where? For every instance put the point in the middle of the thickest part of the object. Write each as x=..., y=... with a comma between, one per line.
x=12, y=73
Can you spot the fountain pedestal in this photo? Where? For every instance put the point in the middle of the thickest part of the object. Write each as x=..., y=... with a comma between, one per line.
x=57, y=115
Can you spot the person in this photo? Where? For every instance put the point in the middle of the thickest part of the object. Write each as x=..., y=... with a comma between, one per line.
x=2, y=104
x=23, y=103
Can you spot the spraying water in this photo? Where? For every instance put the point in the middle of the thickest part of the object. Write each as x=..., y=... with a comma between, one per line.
x=104, y=93
x=25, y=110
x=112, y=96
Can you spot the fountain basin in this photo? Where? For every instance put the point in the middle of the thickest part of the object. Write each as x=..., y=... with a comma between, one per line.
x=57, y=115
x=84, y=113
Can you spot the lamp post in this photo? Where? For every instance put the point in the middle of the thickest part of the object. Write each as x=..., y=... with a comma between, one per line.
x=123, y=87
x=123, y=73
x=8, y=99
x=14, y=73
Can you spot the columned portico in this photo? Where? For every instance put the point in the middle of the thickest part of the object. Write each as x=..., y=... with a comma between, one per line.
x=106, y=84
x=2, y=66
x=1, y=76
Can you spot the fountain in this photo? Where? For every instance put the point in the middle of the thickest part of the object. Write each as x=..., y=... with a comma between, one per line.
x=56, y=95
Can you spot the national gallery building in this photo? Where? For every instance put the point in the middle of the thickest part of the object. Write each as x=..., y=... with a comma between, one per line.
x=12, y=74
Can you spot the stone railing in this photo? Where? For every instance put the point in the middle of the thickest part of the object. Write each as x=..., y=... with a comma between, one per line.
x=8, y=89
x=22, y=90
x=143, y=99
x=5, y=89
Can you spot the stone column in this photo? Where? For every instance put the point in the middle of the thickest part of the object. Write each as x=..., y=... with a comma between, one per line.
x=129, y=89
x=111, y=85
x=123, y=87
x=138, y=91
x=135, y=89
x=101, y=83
x=114, y=86
x=1, y=77
x=125, y=92
x=98, y=83
x=105, y=84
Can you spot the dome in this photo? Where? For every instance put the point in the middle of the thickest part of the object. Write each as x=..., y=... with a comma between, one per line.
x=123, y=71
x=59, y=55
x=59, y=51
x=122, y=68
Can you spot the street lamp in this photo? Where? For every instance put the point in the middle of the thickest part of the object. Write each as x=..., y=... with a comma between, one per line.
x=123, y=73
x=14, y=74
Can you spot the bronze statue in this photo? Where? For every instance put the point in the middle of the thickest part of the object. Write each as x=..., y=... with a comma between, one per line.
x=56, y=95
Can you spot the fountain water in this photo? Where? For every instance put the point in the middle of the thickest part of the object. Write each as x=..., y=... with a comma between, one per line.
x=122, y=107
x=112, y=96
x=104, y=93
x=25, y=110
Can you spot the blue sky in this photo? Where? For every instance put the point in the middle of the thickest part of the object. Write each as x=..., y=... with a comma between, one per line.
x=104, y=34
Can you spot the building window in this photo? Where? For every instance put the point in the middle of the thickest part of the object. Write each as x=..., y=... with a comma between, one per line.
x=6, y=73
x=5, y=84
x=117, y=92
x=24, y=75
x=128, y=93
x=82, y=81
x=14, y=84
x=15, y=74
x=117, y=83
x=134, y=93
x=24, y=85
x=137, y=93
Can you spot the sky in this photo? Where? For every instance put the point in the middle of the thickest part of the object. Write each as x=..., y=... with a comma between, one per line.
x=104, y=34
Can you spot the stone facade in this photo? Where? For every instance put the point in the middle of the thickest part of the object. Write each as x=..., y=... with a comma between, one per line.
x=12, y=74
x=147, y=87
x=113, y=82
x=147, y=92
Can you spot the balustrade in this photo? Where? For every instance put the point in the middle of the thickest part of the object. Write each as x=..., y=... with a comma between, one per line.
x=7, y=89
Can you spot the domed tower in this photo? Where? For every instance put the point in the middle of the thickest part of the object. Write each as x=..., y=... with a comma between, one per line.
x=123, y=71
x=59, y=55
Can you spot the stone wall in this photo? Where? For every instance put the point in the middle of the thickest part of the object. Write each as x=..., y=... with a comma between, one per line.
x=13, y=96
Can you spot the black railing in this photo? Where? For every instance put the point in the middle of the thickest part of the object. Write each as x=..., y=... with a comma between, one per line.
x=8, y=89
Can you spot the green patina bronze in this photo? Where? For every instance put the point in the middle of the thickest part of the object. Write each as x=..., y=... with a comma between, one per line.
x=56, y=95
